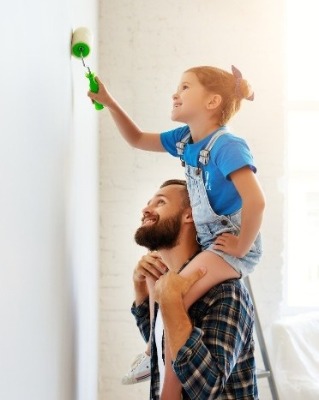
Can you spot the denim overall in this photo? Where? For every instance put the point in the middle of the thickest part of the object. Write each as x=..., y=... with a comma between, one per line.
x=209, y=224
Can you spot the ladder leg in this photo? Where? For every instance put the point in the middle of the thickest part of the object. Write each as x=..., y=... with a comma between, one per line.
x=262, y=345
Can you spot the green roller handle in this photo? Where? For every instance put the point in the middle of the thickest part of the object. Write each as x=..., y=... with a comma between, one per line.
x=94, y=87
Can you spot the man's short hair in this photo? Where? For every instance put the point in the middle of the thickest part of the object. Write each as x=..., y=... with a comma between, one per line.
x=181, y=182
x=174, y=182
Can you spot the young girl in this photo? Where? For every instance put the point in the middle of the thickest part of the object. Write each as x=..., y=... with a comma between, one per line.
x=226, y=198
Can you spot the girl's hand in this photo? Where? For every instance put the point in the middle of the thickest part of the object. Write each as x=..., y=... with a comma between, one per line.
x=103, y=96
x=229, y=244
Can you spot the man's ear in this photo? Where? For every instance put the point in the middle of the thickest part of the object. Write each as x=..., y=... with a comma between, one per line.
x=214, y=101
x=188, y=216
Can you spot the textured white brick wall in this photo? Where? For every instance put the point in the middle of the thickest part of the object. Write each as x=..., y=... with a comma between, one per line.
x=144, y=47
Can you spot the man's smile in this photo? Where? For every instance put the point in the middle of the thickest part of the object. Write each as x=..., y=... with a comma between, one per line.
x=149, y=220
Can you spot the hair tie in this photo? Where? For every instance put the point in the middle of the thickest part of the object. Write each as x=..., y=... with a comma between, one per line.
x=238, y=76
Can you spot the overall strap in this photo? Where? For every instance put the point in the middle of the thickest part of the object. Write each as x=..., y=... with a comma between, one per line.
x=180, y=146
x=204, y=154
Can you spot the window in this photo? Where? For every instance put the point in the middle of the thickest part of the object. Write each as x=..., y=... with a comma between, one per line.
x=302, y=122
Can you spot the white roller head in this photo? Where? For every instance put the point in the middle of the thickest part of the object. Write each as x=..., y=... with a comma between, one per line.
x=81, y=42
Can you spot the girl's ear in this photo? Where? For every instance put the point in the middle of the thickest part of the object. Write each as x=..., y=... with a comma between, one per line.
x=214, y=101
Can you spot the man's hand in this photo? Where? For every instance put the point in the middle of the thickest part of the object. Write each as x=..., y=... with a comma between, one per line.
x=172, y=286
x=149, y=266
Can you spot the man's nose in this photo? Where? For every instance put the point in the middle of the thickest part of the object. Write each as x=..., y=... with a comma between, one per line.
x=146, y=210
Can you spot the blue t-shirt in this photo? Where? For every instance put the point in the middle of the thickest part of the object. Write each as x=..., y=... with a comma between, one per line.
x=228, y=154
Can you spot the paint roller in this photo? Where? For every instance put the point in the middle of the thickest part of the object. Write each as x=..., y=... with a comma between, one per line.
x=80, y=48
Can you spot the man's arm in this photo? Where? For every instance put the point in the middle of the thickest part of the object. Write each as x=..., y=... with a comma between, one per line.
x=169, y=293
x=211, y=349
x=150, y=266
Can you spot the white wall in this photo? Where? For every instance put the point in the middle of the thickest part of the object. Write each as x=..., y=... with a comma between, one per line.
x=144, y=47
x=83, y=210
x=48, y=207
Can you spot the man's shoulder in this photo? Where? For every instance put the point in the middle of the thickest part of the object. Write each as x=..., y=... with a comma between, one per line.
x=232, y=290
x=224, y=302
x=229, y=286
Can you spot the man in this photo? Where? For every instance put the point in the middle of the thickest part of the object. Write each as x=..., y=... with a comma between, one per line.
x=211, y=343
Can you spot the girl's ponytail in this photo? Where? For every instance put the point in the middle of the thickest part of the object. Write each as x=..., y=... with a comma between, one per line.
x=242, y=88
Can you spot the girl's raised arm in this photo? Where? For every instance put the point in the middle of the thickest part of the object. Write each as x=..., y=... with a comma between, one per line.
x=127, y=127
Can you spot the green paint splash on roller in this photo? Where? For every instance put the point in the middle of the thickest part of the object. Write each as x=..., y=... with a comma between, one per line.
x=80, y=47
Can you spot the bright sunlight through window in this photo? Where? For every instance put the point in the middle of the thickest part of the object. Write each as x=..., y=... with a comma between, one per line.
x=302, y=72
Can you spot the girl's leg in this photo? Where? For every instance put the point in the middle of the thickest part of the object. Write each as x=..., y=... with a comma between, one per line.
x=141, y=368
x=150, y=286
x=218, y=271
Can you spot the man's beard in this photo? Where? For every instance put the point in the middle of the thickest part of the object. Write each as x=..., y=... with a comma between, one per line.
x=162, y=235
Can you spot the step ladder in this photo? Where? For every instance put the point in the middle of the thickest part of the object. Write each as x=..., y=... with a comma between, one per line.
x=267, y=371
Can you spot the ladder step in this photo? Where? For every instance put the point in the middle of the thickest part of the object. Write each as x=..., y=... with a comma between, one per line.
x=262, y=373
